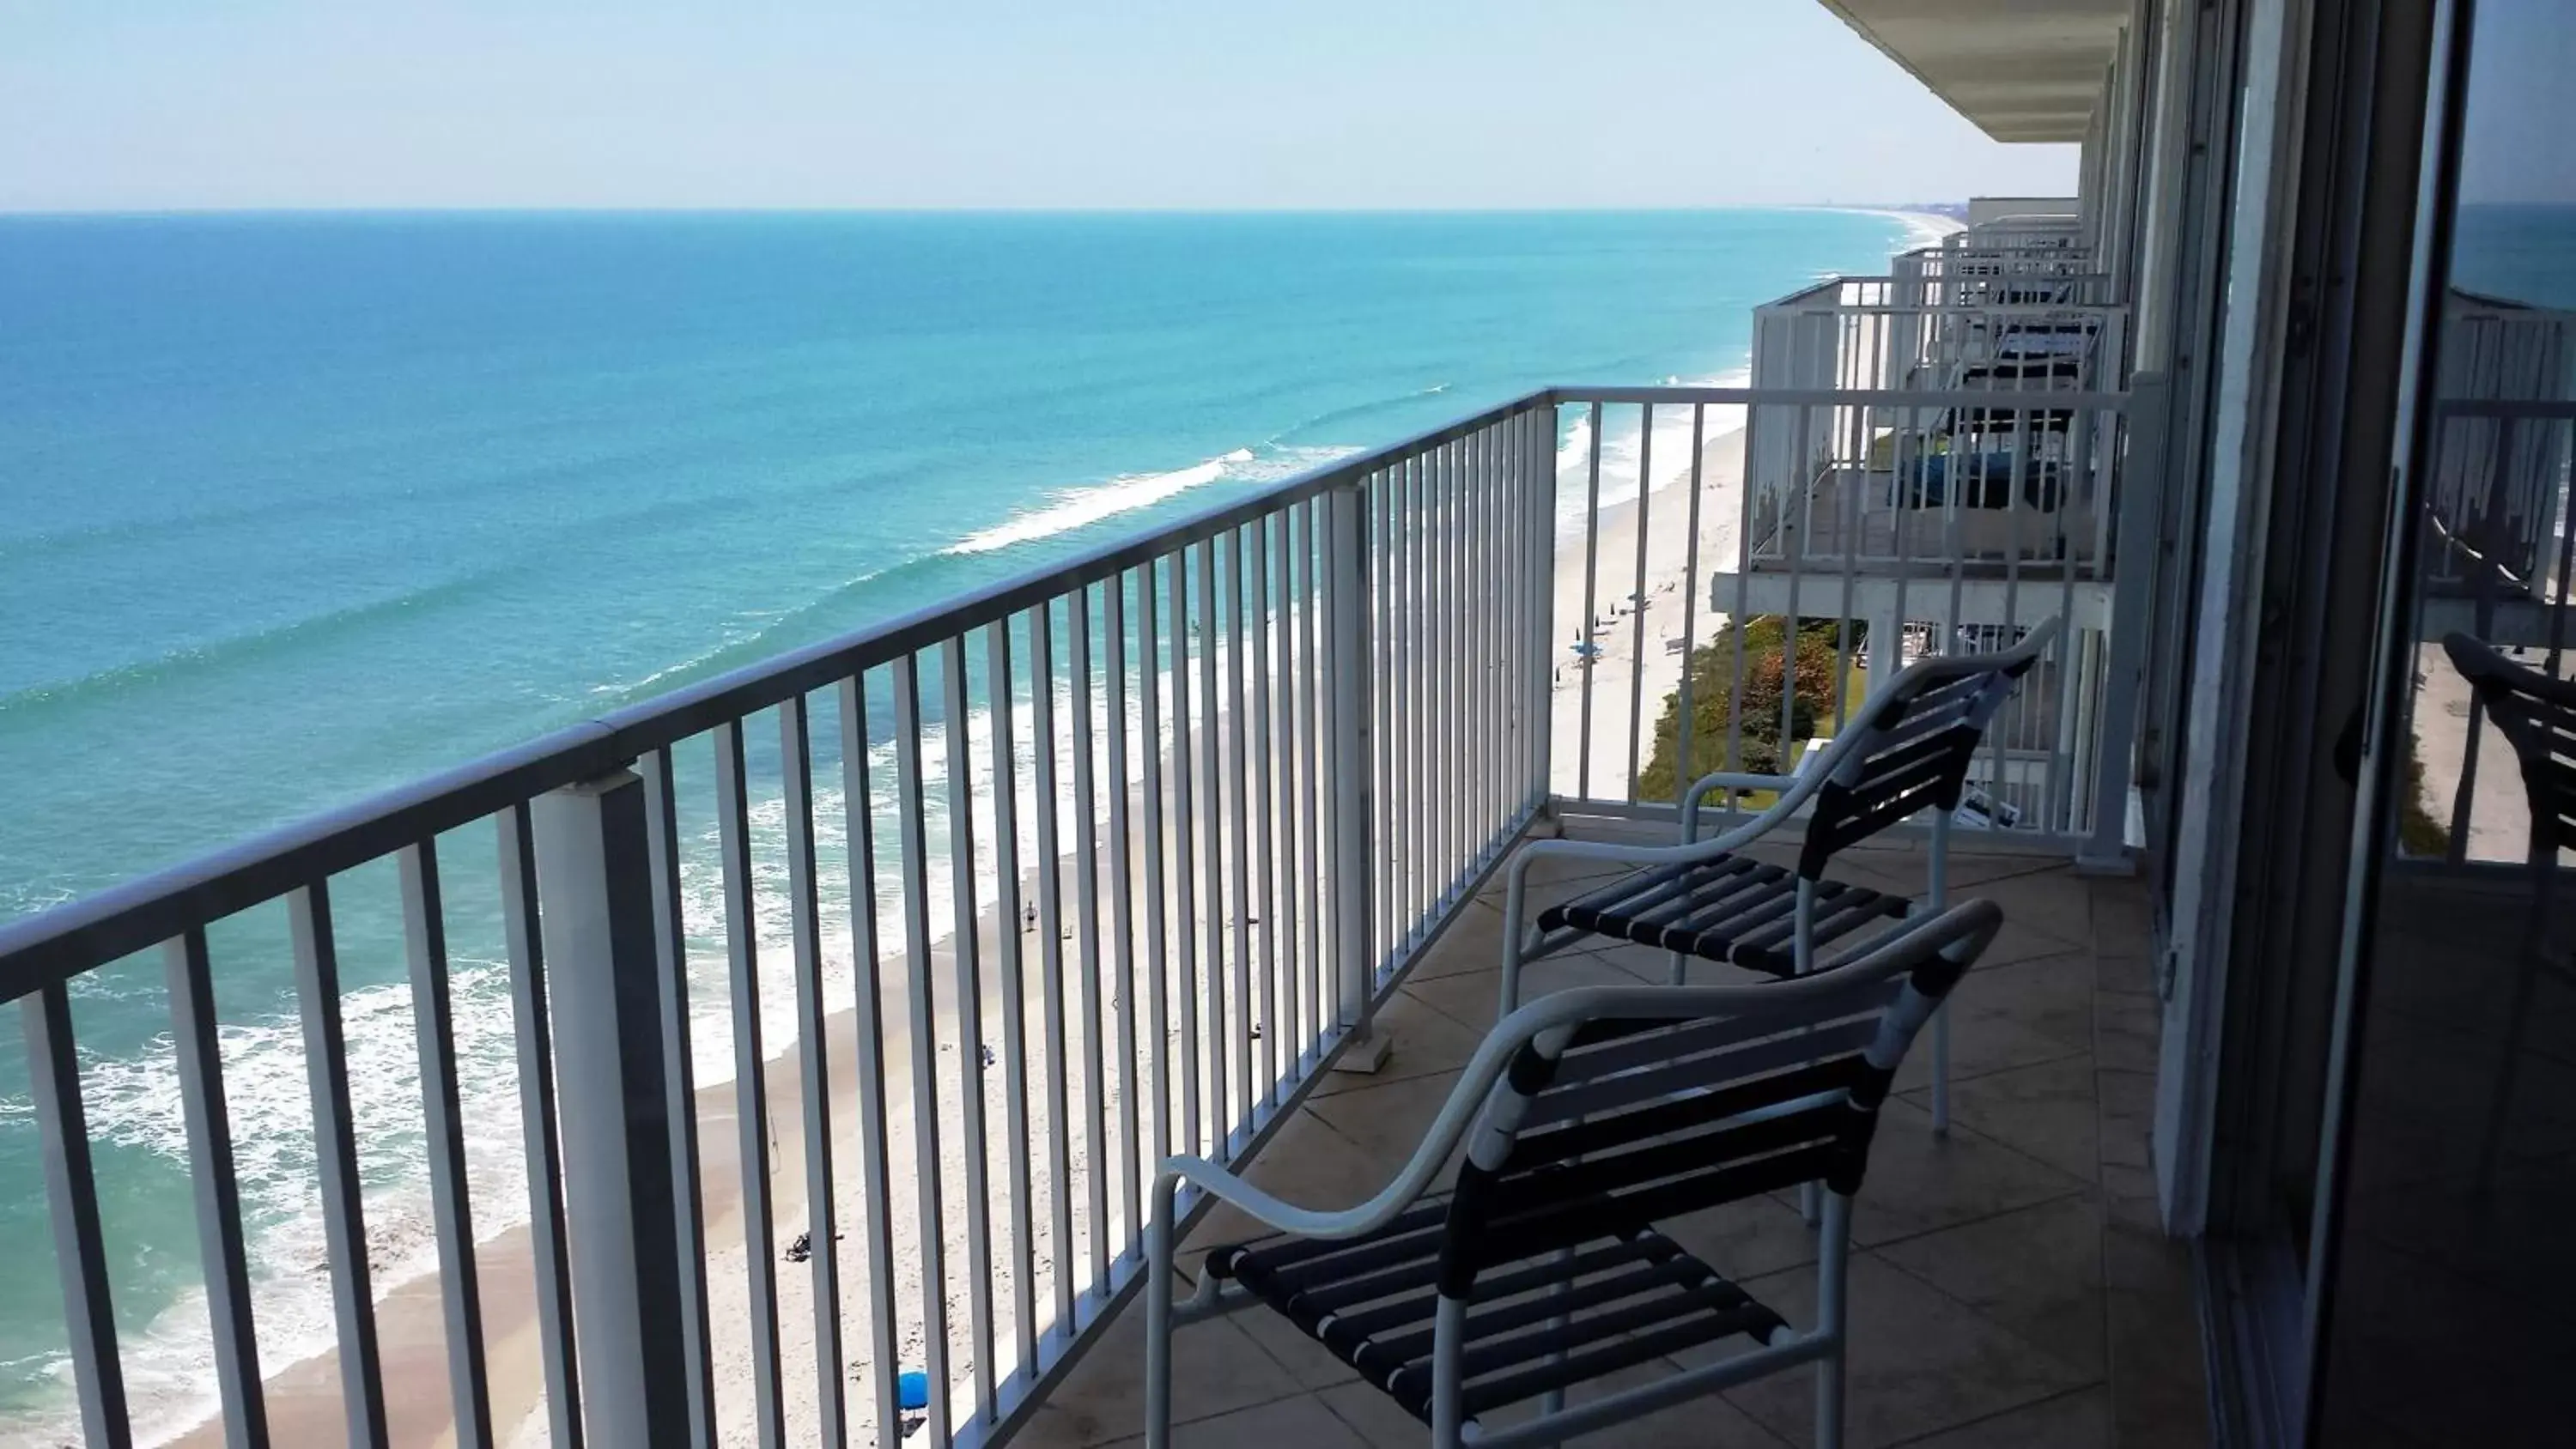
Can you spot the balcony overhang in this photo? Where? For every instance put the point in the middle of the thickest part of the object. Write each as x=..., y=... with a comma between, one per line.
x=2022, y=70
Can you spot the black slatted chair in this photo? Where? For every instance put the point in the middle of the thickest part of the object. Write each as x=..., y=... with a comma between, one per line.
x=1590, y=1117
x=1905, y=753
x=2537, y=715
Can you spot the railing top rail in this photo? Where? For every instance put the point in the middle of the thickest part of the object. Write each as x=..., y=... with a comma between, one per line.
x=1960, y=309
x=62, y=941
x=1998, y=400
x=1833, y=285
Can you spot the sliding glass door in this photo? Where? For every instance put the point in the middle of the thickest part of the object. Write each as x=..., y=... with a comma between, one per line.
x=2444, y=1266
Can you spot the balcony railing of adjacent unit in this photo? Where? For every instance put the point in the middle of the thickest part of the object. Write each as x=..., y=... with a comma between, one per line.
x=1884, y=508
x=1098, y=865
x=2496, y=498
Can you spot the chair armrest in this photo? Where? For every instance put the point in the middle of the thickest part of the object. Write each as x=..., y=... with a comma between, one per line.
x=1723, y=780
x=1440, y=1139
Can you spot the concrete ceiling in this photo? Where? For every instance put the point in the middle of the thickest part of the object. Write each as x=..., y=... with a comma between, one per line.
x=2023, y=70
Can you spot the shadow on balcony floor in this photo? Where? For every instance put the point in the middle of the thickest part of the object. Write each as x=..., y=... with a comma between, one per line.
x=2009, y=1285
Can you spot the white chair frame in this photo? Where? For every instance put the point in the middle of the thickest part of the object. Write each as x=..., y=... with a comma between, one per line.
x=1849, y=750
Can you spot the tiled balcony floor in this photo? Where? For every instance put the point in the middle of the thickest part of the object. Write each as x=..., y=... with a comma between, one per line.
x=2010, y=1286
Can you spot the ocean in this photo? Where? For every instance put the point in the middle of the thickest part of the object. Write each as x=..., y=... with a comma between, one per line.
x=294, y=508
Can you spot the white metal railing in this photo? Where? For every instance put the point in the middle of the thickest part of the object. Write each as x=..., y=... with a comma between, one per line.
x=1100, y=864
x=1884, y=557
x=1095, y=866
x=2496, y=494
x=1893, y=332
x=2498, y=562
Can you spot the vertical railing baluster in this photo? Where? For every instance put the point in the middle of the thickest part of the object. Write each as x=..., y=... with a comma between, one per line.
x=80, y=1248
x=750, y=1084
x=1439, y=707
x=1531, y=500
x=1682, y=731
x=218, y=1190
x=1086, y=834
x=912, y=821
x=344, y=1230
x=534, y=1034
x=1637, y=725
x=1377, y=639
x=1346, y=563
x=1465, y=666
x=680, y=1101
x=1411, y=733
x=1262, y=906
x=966, y=949
x=1590, y=601
x=876, y=1173
x=805, y=915
x=1184, y=858
x=1244, y=1103
x=1310, y=822
x=1212, y=857
x=1002, y=704
x=1050, y=883
x=425, y=948
x=1158, y=1006
x=1122, y=900
x=1493, y=613
x=1287, y=615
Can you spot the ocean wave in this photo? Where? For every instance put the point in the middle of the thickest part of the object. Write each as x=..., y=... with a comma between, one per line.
x=1083, y=507
x=1625, y=451
x=232, y=649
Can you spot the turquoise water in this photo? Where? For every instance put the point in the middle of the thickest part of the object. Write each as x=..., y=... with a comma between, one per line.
x=293, y=509
x=2518, y=253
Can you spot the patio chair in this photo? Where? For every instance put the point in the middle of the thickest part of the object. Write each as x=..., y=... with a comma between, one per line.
x=1588, y=1117
x=1906, y=752
x=2537, y=715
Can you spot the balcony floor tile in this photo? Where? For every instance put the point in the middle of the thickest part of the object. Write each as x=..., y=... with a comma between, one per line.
x=2011, y=1286
x=2080, y=1420
x=1918, y=1360
x=2036, y=1271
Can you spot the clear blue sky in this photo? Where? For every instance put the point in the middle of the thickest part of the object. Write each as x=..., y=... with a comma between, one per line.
x=150, y=104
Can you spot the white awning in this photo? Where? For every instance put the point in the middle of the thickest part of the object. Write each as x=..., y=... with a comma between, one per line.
x=2023, y=70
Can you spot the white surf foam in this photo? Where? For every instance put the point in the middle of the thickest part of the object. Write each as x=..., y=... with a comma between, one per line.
x=1082, y=507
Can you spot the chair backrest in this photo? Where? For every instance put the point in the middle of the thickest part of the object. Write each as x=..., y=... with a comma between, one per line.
x=1910, y=747
x=1640, y=1111
x=2538, y=717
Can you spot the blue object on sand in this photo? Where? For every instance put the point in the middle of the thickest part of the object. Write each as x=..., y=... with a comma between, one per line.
x=912, y=1390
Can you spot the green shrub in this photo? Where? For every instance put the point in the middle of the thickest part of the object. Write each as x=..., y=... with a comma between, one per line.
x=1711, y=671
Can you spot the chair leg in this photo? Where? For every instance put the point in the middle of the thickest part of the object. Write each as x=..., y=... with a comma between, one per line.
x=1937, y=894
x=1829, y=1400
x=1158, y=1321
x=1448, y=1387
x=1803, y=960
x=1833, y=1263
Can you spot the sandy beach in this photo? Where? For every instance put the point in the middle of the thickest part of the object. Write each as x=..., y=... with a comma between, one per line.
x=1639, y=660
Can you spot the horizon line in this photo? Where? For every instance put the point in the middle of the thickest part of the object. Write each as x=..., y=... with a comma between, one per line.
x=1921, y=207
